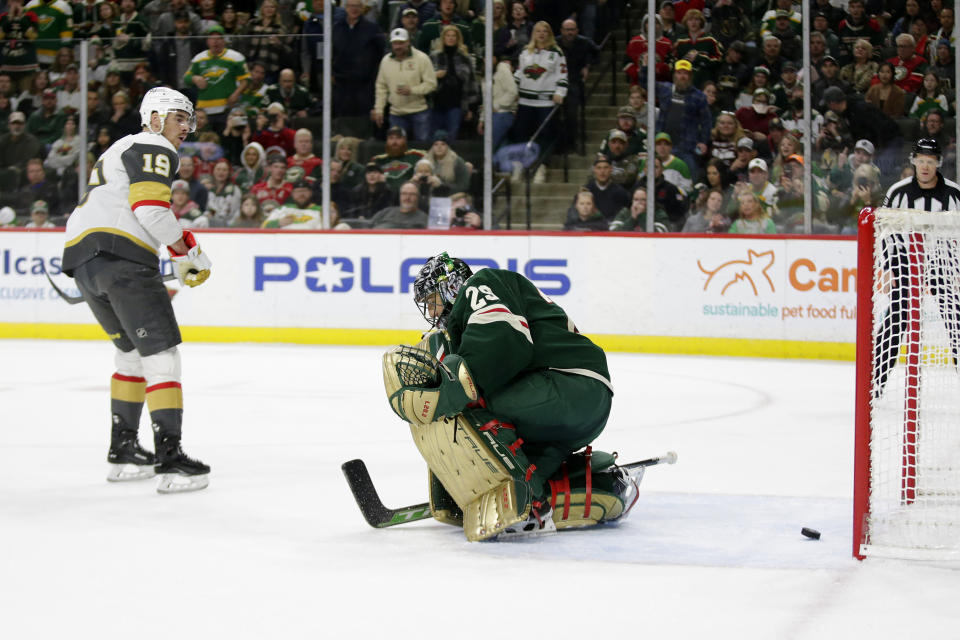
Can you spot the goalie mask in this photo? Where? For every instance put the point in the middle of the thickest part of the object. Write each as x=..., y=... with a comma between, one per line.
x=164, y=101
x=437, y=285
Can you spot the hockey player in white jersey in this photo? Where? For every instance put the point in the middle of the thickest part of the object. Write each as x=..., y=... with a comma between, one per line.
x=113, y=251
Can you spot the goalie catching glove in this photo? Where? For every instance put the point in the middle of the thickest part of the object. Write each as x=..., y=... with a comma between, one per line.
x=422, y=389
x=193, y=267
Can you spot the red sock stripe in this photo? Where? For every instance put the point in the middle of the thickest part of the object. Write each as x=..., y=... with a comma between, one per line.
x=123, y=378
x=566, y=491
x=516, y=445
x=163, y=385
x=554, y=488
x=150, y=203
x=586, y=508
x=530, y=471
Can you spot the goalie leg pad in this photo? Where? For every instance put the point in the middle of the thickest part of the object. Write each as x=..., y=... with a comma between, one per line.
x=583, y=497
x=442, y=505
x=474, y=456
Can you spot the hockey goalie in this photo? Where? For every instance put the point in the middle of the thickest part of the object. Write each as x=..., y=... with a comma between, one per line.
x=503, y=397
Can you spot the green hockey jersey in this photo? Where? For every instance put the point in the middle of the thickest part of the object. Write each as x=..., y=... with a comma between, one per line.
x=55, y=28
x=503, y=326
x=222, y=72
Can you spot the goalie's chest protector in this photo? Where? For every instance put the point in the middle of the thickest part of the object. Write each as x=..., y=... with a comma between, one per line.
x=503, y=326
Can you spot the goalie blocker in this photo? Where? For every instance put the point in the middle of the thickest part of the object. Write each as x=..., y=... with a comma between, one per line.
x=480, y=477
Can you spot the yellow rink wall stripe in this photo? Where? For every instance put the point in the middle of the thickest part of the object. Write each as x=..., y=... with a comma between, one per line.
x=635, y=344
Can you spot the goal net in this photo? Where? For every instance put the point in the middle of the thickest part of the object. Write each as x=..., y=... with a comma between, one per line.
x=907, y=460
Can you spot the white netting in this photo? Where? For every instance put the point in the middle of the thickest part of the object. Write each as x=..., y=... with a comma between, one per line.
x=914, y=501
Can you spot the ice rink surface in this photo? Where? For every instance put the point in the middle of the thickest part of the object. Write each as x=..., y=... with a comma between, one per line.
x=276, y=547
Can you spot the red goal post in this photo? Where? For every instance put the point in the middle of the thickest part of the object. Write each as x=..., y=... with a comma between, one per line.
x=907, y=445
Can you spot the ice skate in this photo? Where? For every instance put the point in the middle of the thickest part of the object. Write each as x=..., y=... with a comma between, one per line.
x=129, y=461
x=627, y=485
x=537, y=524
x=178, y=472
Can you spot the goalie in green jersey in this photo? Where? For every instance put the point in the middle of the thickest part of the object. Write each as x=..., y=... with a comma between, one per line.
x=499, y=396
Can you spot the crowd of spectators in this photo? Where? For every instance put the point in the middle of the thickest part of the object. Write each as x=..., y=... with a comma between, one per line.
x=729, y=140
x=407, y=104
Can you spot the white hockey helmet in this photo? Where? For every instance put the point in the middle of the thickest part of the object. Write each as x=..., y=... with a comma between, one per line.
x=163, y=100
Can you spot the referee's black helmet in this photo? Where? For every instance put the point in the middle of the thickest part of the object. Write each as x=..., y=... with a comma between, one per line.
x=927, y=147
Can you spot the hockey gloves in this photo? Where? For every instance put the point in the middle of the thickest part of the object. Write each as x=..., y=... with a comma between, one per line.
x=422, y=390
x=192, y=268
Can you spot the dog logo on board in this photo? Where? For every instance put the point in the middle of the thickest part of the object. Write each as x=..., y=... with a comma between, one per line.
x=752, y=271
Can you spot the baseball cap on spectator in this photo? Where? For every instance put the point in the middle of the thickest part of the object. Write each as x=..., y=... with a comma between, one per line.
x=820, y=14
x=616, y=134
x=181, y=15
x=795, y=157
x=745, y=143
x=782, y=13
x=761, y=69
x=789, y=65
x=776, y=123
x=760, y=91
x=865, y=145
x=276, y=155
x=834, y=94
x=396, y=131
x=831, y=116
x=683, y=65
x=48, y=93
x=601, y=158
x=38, y=206
x=663, y=135
x=408, y=11
x=229, y=6
x=738, y=46
x=181, y=185
x=373, y=167
x=441, y=135
x=399, y=35
x=829, y=59
x=275, y=107
x=16, y=116
x=757, y=163
x=73, y=67
x=303, y=183
x=628, y=112
x=215, y=28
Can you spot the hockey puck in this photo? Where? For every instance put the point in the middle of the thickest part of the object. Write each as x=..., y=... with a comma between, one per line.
x=810, y=533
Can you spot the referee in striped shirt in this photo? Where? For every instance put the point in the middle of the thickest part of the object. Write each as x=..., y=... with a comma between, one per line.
x=927, y=190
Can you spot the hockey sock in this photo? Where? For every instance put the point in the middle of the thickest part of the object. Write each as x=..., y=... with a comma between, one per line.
x=127, y=394
x=165, y=401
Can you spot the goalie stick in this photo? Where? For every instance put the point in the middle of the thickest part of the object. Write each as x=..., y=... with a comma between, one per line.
x=379, y=516
x=78, y=299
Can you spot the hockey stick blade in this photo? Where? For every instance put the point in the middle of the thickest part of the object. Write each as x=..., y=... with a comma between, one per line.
x=379, y=516
x=78, y=299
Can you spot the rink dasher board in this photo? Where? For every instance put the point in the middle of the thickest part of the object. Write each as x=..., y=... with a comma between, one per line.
x=777, y=296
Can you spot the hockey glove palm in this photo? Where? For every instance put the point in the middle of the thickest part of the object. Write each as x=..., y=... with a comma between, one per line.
x=193, y=267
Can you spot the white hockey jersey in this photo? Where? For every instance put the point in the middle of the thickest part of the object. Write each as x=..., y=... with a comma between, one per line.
x=125, y=210
x=541, y=74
